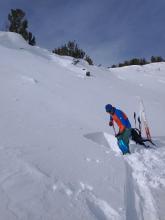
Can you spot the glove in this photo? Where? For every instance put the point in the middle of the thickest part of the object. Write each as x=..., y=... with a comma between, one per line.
x=111, y=123
x=118, y=134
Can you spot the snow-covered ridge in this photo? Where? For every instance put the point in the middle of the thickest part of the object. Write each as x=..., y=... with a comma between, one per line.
x=12, y=40
x=15, y=41
x=58, y=157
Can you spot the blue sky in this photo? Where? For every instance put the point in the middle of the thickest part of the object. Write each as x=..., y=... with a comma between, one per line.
x=110, y=31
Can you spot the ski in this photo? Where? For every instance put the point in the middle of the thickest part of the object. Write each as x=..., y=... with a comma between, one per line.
x=143, y=120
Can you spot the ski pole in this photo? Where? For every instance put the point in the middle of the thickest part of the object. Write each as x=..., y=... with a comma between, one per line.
x=140, y=128
x=114, y=129
x=135, y=118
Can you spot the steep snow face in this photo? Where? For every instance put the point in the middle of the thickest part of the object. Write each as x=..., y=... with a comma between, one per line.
x=58, y=159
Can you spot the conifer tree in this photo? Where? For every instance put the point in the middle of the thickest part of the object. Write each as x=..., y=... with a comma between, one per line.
x=89, y=60
x=32, y=40
x=72, y=49
x=19, y=24
x=153, y=59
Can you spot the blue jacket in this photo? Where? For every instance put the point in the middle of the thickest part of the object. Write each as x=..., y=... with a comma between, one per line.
x=121, y=120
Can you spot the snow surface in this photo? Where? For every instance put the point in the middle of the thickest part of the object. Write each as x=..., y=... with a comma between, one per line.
x=58, y=156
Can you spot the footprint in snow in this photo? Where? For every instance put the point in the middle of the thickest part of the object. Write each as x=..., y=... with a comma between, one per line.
x=101, y=209
x=27, y=79
x=92, y=160
x=63, y=188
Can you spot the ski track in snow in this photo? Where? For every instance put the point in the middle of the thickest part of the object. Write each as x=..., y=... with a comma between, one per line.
x=23, y=184
x=161, y=81
x=27, y=80
x=142, y=176
x=20, y=177
x=99, y=208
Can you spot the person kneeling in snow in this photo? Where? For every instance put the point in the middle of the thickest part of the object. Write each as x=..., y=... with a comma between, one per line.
x=124, y=125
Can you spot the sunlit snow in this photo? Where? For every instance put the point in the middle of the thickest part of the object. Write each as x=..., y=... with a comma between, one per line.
x=58, y=157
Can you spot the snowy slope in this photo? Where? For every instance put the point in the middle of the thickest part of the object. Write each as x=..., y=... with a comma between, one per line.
x=58, y=157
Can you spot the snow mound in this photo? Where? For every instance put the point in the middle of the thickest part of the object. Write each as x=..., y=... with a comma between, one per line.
x=12, y=40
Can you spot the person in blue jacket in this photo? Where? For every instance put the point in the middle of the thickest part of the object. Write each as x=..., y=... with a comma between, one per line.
x=121, y=119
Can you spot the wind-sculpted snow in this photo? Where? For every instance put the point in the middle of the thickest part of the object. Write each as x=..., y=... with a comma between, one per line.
x=12, y=40
x=59, y=158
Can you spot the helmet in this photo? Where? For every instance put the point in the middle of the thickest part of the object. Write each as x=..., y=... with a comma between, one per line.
x=108, y=108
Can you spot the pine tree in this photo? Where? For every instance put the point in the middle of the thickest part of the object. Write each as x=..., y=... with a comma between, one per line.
x=72, y=49
x=113, y=66
x=31, y=39
x=153, y=59
x=89, y=60
x=159, y=59
x=19, y=24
